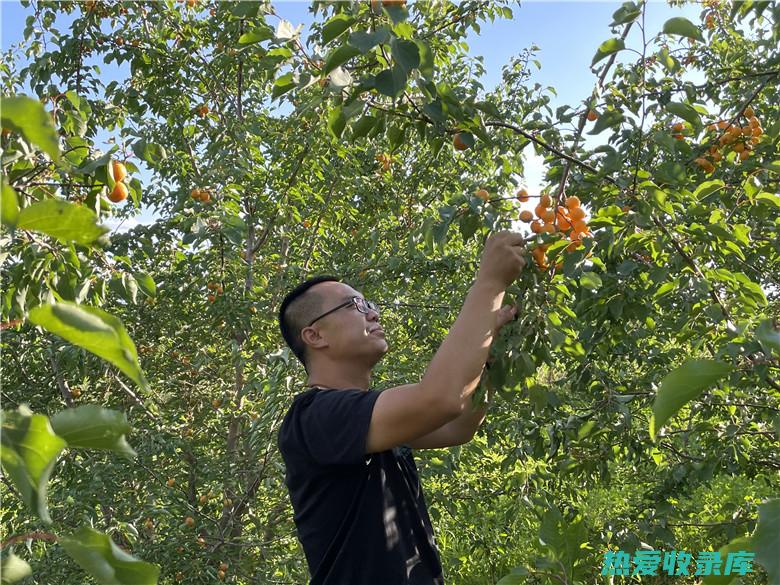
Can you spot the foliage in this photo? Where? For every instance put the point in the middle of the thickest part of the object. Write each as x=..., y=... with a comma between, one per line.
x=332, y=155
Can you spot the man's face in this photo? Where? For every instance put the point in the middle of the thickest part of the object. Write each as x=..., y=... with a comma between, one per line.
x=348, y=332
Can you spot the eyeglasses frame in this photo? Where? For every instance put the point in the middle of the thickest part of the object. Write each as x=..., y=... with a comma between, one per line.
x=353, y=300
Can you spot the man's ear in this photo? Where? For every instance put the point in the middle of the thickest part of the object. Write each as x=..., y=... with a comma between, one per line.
x=312, y=337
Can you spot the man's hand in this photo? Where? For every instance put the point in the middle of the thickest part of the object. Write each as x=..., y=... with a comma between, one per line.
x=506, y=314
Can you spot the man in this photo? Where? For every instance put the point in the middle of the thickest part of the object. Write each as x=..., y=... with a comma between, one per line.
x=358, y=506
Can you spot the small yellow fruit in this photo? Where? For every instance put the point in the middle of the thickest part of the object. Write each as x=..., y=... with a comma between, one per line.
x=592, y=115
x=536, y=227
x=457, y=142
x=170, y=482
x=203, y=499
x=119, y=170
x=572, y=202
x=223, y=566
x=189, y=521
x=119, y=193
x=749, y=113
x=545, y=201
x=522, y=195
x=482, y=194
x=526, y=216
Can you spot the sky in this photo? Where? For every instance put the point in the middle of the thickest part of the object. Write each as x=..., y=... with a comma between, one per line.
x=567, y=34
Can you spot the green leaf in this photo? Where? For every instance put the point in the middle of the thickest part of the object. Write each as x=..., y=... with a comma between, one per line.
x=769, y=198
x=363, y=126
x=336, y=121
x=283, y=84
x=108, y=564
x=590, y=281
x=93, y=427
x=335, y=26
x=27, y=116
x=246, y=8
x=607, y=48
x=30, y=450
x=607, y=120
x=628, y=12
x=9, y=210
x=511, y=579
x=682, y=27
x=708, y=188
x=683, y=385
x=152, y=153
x=365, y=41
x=743, y=543
x=63, y=220
x=391, y=82
x=773, y=167
x=684, y=111
x=95, y=330
x=426, y=65
x=13, y=569
x=256, y=35
x=405, y=53
x=769, y=336
x=338, y=57
x=147, y=284
x=766, y=539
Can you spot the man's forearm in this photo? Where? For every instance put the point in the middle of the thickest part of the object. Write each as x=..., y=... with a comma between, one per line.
x=467, y=424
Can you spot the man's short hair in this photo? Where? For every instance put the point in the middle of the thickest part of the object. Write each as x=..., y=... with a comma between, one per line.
x=298, y=308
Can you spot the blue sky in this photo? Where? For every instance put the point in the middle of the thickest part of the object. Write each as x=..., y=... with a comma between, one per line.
x=567, y=33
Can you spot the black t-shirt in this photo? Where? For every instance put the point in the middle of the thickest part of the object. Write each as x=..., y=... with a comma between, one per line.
x=361, y=518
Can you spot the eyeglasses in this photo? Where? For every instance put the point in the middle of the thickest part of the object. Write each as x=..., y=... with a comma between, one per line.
x=360, y=303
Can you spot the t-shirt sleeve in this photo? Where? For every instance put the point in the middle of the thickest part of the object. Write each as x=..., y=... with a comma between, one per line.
x=333, y=427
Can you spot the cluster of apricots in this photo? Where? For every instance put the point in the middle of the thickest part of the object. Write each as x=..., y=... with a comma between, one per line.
x=739, y=139
x=203, y=195
x=216, y=289
x=566, y=218
x=119, y=192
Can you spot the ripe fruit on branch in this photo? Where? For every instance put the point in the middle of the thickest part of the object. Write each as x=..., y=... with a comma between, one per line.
x=119, y=171
x=76, y=392
x=189, y=521
x=545, y=201
x=201, y=541
x=749, y=113
x=526, y=216
x=388, y=3
x=212, y=298
x=572, y=202
x=223, y=566
x=592, y=115
x=457, y=142
x=576, y=213
x=148, y=524
x=678, y=127
x=119, y=193
x=211, y=286
x=221, y=575
x=548, y=216
x=203, y=499
x=482, y=194
x=522, y=195
x=202, y=110
x=216, y=403
x=705, y=164
x=170, y=482
x=536, y=227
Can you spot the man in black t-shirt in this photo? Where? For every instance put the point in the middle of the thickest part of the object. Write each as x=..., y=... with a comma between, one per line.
x=358, y=504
